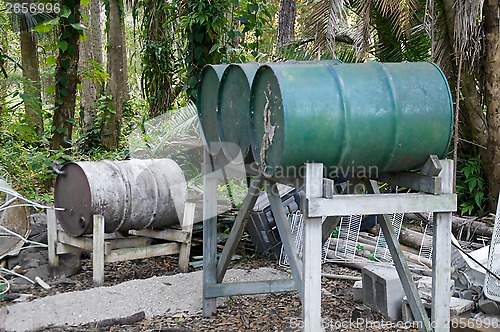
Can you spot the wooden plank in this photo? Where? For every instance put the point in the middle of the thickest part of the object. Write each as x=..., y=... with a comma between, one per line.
x=185, y=248
x=417, y=308
x=329, y=225
x=432, y=166
x=311, y=298
x=166, y=234
x=84, y=243
x=246, y=288
x=209, y=238
x=415, y=181
x=328, y=188
x=127, y=242
x=238, y=227
x=127, y=254
x=62, y=249
x=341, y=205
x=441, y=257
x=52, y=241
x=286, y=235
x=98, y=250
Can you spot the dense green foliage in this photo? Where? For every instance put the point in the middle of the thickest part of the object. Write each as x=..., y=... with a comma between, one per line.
x=168, y=43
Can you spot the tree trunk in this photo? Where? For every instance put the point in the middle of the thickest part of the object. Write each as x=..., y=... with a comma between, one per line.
x=32, y=93
x=286, y=22
x=92, y=87
x=471, y=96
x=66, y=77
x=492, y=71
x=471, y=228
x=117, y=86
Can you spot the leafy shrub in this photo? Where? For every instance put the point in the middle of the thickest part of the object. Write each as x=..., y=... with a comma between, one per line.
x=471, y=187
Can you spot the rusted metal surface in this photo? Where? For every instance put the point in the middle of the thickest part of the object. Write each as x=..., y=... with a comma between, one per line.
x=15, y=218
x=132, y=194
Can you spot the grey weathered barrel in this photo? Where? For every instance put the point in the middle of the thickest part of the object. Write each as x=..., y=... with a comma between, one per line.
x=350, y=116
x=132, y=194
x=208, y=88
x=234, y=110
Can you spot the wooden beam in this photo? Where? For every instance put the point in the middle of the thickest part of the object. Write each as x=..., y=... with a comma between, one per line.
x=415, y=181
x=52, y=241
x=441, y=257
x=84, y=243
x=98, y=250
x=417, y=308
x=238, y=227
x=342, y=205
x=286, y=235
x=62, y=249
x=329, y=226
x=328, y=188
x=246, y=288
x=127, y=254
x=432, y=166
x=166, y=234
x=185, y=248
x=127, y=242
x=311, y=257
x=209, y=237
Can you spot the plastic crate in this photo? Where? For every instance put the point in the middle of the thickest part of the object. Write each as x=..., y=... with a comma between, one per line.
x=262, y=228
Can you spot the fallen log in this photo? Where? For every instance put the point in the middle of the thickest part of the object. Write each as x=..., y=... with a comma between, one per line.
x=365, y=238
x=361, y=262
x=411, y=238
x=471, y=227
x=366, y=250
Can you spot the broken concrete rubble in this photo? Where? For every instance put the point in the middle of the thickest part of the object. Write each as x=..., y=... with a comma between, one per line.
x=381, y=288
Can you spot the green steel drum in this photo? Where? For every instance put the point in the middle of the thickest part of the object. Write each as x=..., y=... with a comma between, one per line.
x=234, y=111
x=208, y=88
x=349, y=117
x=234, y=108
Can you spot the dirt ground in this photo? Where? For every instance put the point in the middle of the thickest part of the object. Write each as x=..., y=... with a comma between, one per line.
x=272, y=312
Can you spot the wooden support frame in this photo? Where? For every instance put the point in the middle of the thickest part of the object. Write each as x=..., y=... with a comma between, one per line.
x=108, y=248
x=416, y=305
x=437, y=196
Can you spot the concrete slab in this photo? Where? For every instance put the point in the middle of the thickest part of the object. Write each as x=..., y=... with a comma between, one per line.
x=154, y=296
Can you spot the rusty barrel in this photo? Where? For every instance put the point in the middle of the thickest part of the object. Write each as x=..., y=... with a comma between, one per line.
x=132, y=194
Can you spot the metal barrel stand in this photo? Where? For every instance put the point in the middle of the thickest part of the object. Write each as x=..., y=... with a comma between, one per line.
x=434, y=184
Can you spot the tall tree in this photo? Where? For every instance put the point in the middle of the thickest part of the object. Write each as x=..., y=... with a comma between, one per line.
x=286, y=22
x=91, y=69
x=66, y=73
x=32, y=94
x=492, y=70
x=160, y=56
x=117, y=87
